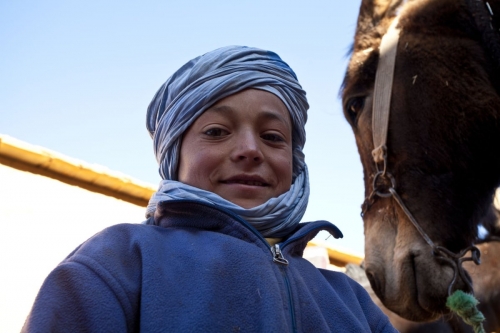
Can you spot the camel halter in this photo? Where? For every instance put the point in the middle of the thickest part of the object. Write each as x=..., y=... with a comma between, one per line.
x=384, y=184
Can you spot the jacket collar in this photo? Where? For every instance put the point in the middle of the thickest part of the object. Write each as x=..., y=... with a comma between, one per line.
x=199, y=215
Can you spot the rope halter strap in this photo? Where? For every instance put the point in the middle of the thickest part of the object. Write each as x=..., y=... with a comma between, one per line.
x=383, y=91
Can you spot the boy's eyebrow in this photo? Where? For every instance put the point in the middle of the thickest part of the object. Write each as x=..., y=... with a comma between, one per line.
x=276, y=116
x=223, y=109
x=269, y=115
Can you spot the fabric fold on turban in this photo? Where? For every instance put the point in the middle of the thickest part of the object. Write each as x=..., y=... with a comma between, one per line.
x=198, y=85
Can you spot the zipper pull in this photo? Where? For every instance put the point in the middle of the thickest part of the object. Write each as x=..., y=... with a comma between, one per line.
x=278, y=256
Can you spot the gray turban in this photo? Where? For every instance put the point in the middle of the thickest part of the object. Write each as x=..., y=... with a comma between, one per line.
x=203, y=81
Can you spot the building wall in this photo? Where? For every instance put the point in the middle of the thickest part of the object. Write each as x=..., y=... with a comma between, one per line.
x=41, y=221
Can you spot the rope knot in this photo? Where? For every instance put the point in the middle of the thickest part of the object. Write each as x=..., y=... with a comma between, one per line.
x=465, y=306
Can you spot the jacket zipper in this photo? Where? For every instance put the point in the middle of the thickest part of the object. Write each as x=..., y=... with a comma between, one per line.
x=290, y=298
x=278, y=256
x=283, y=262
x=280, y=259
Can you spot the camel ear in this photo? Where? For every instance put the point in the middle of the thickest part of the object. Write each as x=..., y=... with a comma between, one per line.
x=373, y=12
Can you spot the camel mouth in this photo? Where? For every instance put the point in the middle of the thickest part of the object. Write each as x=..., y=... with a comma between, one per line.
x=417, y=298
x=428, y=300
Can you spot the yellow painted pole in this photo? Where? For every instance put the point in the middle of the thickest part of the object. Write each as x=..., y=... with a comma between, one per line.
x=96, y=178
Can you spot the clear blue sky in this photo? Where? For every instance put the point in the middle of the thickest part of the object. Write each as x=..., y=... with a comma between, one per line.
x=76, y=77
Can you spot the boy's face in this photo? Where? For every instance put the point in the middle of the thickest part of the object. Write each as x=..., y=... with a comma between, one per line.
x=240, y=149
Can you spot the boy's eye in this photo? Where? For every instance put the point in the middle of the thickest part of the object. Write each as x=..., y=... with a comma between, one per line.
x=273, y=137
x=216, y=132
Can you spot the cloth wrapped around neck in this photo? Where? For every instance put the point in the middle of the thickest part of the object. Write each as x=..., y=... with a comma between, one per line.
x=198, y=85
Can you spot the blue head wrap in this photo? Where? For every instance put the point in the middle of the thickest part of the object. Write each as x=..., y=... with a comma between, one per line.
x=197, y=86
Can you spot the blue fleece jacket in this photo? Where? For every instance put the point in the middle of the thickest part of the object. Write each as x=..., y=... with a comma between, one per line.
x=199, y=269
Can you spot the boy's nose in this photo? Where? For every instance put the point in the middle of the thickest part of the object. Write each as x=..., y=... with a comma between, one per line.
x=248, y=148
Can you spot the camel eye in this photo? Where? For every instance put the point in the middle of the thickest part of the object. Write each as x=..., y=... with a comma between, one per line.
x=353, y=108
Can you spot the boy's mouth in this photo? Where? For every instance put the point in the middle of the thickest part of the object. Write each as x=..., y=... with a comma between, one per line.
x=246, y=180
